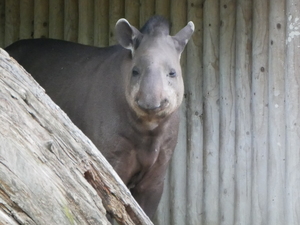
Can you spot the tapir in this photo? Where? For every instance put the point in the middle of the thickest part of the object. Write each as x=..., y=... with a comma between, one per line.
x=125, y=97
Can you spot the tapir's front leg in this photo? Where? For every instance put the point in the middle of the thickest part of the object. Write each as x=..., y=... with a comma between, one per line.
x=148, y=198
x=149, y=190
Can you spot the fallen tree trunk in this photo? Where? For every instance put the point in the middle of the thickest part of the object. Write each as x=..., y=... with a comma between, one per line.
x=50, y=172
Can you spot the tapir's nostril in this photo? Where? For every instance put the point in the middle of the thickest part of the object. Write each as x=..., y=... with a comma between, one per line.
x=164, y=103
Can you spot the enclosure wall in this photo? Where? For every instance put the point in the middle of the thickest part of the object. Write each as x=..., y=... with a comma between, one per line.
x=238, y=155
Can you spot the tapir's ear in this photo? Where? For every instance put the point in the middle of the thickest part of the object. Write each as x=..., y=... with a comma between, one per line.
x=183, y=36
x=128, y=36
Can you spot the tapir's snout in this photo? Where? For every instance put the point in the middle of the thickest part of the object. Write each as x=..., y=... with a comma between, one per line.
x=152, y=96
x=152, y=107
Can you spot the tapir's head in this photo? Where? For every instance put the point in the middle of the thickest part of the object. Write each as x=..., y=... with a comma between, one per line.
x=154, y=87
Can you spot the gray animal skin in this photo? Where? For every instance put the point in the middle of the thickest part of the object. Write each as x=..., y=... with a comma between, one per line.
x=125, y=98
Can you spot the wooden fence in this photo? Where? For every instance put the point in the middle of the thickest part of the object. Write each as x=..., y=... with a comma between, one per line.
x=238, y=155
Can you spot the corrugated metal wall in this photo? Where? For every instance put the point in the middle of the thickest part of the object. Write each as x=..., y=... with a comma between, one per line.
x=238, y=155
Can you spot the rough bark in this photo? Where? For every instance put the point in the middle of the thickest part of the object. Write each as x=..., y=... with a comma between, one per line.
x=50, y=172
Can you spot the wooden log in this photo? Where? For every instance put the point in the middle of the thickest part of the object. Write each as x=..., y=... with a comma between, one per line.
x=50, y=172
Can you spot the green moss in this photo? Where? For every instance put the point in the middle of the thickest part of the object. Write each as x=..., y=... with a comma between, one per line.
x=69, y=214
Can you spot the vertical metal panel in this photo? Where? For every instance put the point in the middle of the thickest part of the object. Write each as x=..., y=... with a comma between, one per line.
x=260, y=46
x=211, y=112
x=56, y=19
x=132, y=12
x=292, y=110
x=194, y=80
x=162, y=7
x=86, y=22
x=260, y=108
x=11, y=17
x=276, y=163
x=41, y=19
x=227, y=111
x=101, y=19
x=237, y=160
x=26, y=19
x=71, y=20
x=116, y=11
x=2, y=23
x=178, y=163
x=243, y=151
x=146, y=10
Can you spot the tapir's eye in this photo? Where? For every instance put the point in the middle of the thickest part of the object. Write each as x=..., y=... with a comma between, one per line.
x=135, y=72
x=172, y=73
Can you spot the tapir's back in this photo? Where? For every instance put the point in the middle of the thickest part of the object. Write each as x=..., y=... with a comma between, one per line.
x=66, y=60
x=81, y=79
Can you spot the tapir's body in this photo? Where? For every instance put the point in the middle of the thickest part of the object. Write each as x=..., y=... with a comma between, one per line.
x=106, y=93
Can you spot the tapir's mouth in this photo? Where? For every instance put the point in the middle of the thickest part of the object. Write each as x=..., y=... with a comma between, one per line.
x=151, y=108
